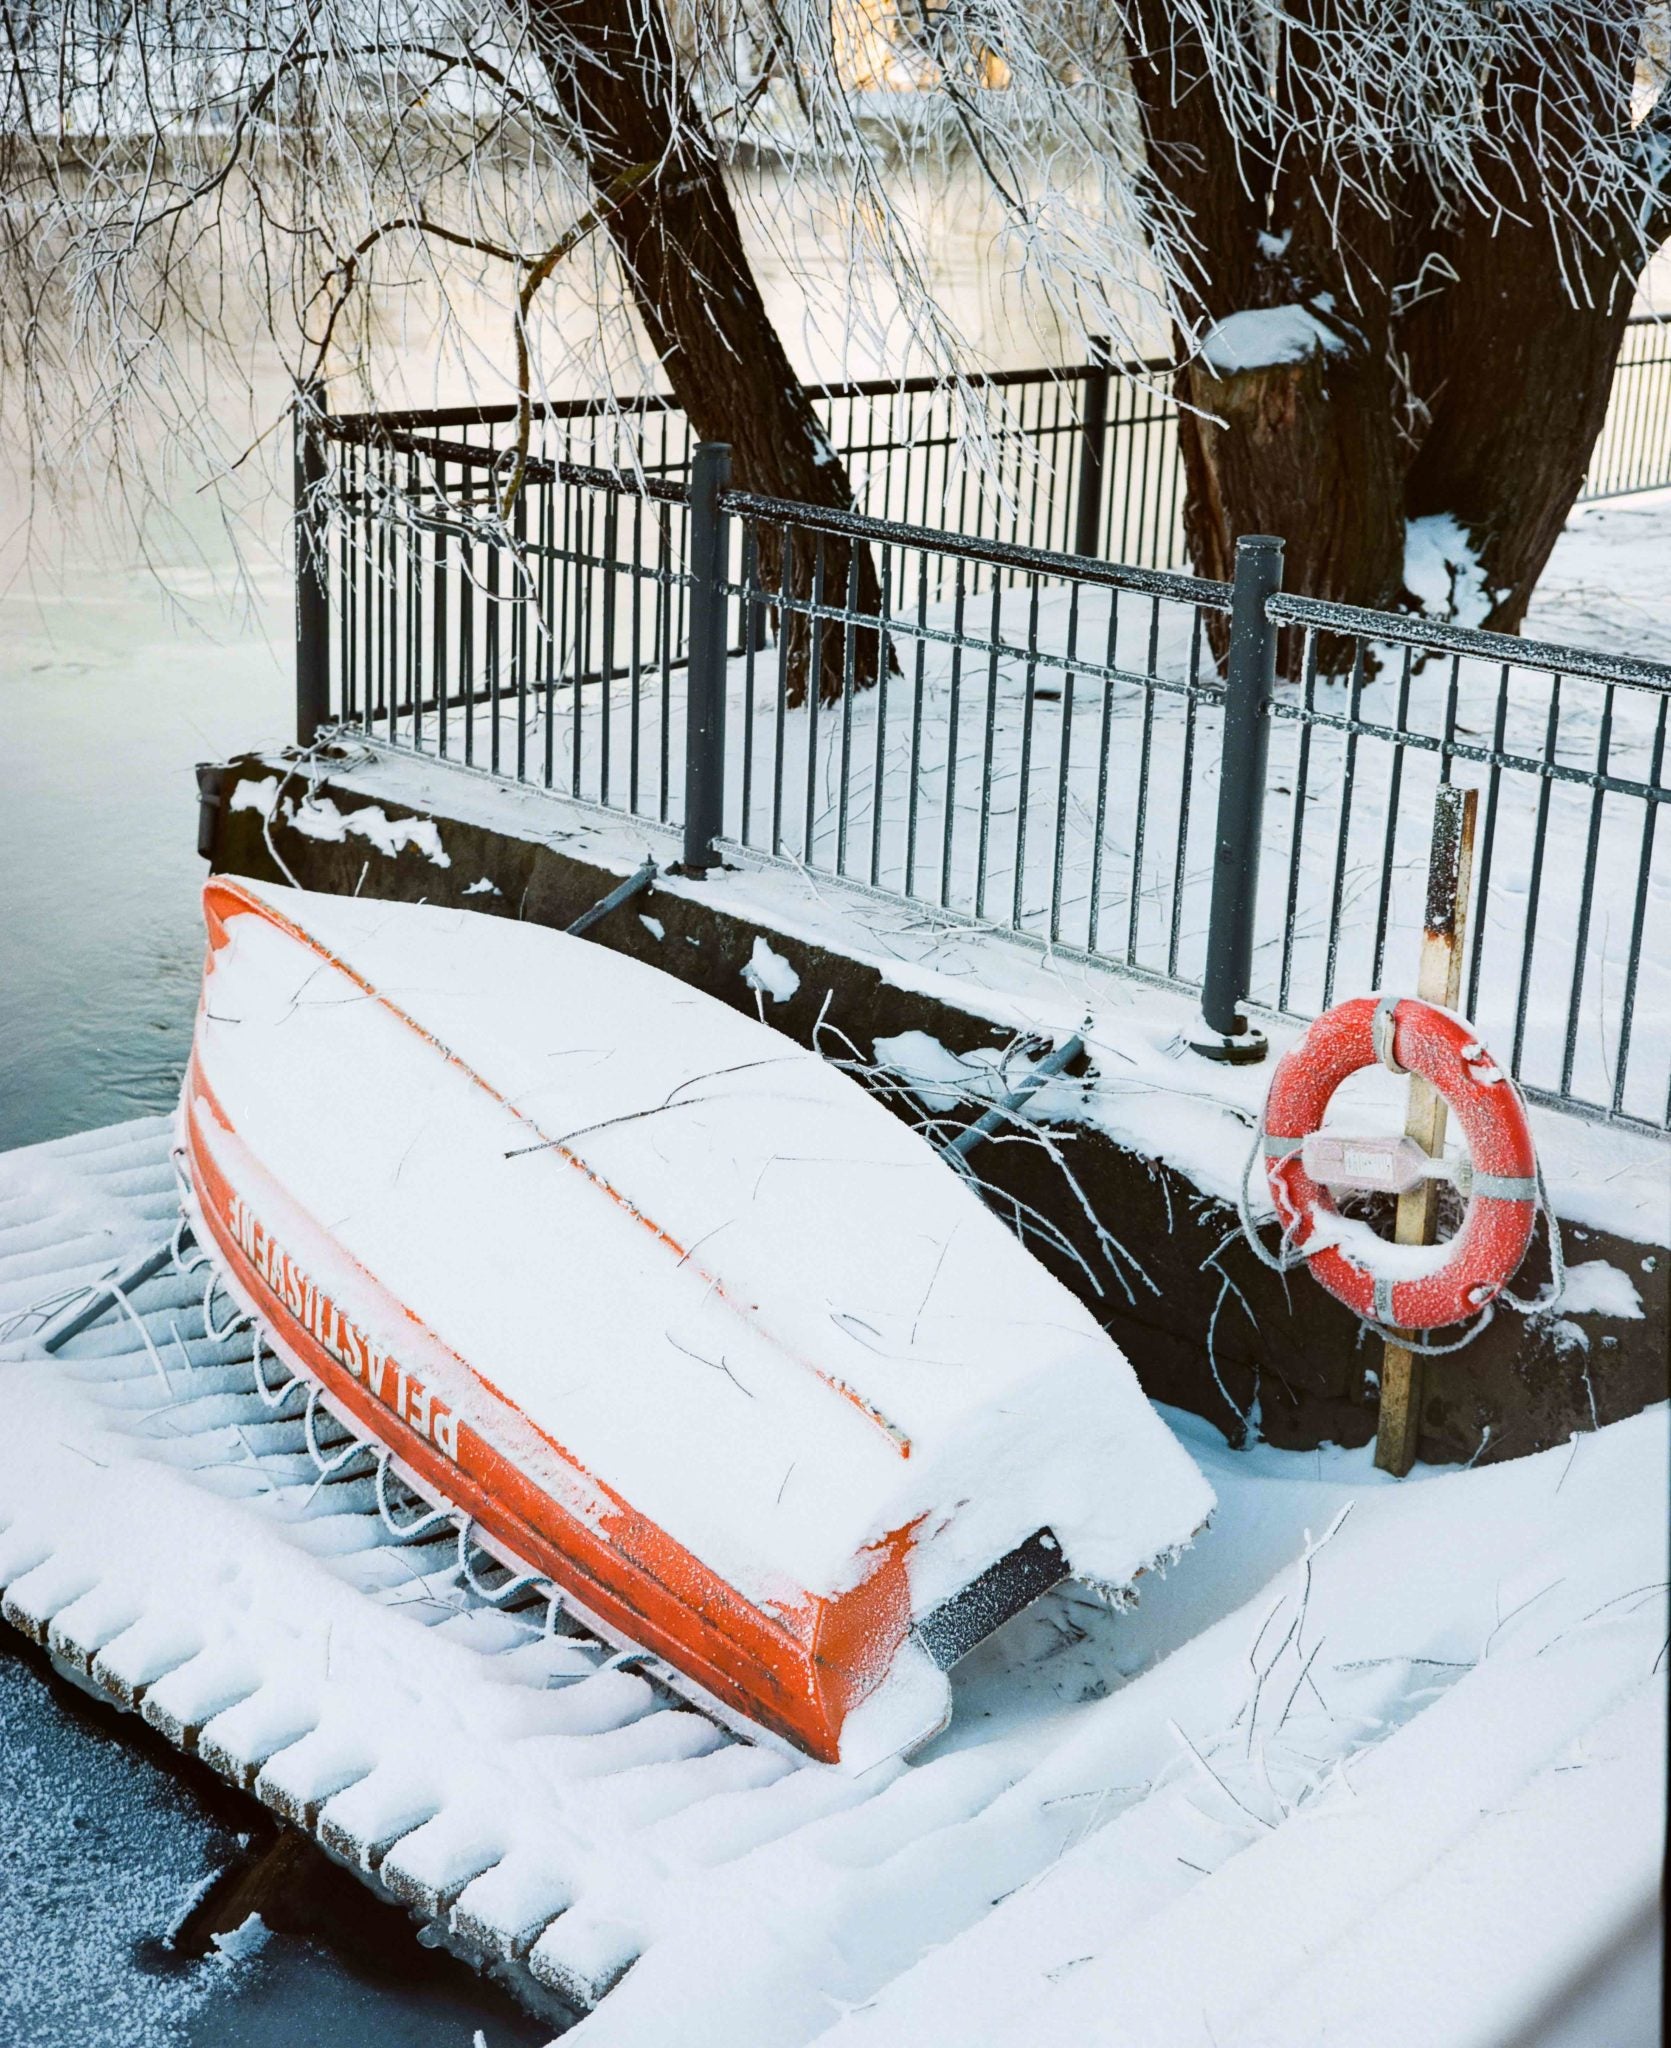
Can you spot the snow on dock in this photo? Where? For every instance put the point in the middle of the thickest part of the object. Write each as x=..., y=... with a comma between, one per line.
x=1362, y=1736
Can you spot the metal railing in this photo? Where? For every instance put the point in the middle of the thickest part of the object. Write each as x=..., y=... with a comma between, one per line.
x=1059, y=751
x=1633, y=449
x=1572, y=876
x=1222, y=788
x=1081, y=457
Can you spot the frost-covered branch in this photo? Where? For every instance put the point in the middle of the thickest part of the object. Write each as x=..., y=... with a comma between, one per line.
x=180, y=182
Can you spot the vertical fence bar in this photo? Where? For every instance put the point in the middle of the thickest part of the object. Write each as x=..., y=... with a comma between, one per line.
x=710, y=478
x=467, y=640
x=750, y=566
x=1644, y=869
x=492, y=637
x=1140, y=790
x=522, y=584
x=347, y=570
x=411, y=554
x=780, y=709
x=1249, y=679
x=313, y=604
x=606, y=652
x=438, y=612
x=1093, y=432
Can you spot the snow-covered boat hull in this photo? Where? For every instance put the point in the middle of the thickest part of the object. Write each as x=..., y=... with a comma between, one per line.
x=841, y=1612
x=795, y=1674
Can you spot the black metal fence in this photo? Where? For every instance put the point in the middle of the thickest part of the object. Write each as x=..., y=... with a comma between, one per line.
x=1081, y=458
x=1633, y=449
x=1223, y=789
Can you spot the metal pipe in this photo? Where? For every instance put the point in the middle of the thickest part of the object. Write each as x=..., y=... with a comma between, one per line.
x=1249, y=680
x=710, y=478
x=1006, y=1111
x=623, y=892
x=70, y=1322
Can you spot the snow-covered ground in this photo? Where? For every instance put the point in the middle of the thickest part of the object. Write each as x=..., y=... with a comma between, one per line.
x=1608, y=583
x=1356, y=1724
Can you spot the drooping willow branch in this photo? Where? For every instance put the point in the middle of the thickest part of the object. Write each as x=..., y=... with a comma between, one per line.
x=348, y=269
x=177, y=177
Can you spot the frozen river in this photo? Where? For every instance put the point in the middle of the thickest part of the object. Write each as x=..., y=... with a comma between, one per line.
x=105, y=703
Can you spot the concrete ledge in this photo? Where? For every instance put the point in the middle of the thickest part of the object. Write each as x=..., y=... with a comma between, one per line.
x=1216, y=1332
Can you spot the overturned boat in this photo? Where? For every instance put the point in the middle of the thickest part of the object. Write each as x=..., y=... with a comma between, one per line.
x=674, y=1310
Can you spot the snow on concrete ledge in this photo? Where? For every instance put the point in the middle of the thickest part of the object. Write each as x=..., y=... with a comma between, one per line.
x=1149, y=1092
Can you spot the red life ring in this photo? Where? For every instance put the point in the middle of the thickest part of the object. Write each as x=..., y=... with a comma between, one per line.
x=1502, y=1207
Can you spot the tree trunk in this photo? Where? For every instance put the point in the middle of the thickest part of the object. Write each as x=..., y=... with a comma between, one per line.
x=1305, y=448
x=1479, y=399
x=1513, y=360
x=616, y=75
x=1516, y=379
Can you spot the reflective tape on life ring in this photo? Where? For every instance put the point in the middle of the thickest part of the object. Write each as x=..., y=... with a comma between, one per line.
x=1502, y=1204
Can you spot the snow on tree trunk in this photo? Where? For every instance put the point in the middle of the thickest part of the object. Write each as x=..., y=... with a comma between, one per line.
x=1307, y=450
x=615, y=72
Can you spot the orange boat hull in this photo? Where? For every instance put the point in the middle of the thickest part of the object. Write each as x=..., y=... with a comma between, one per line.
x=799, y=1671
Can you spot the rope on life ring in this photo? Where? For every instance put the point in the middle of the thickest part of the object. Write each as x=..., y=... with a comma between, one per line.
x=1505, y=1185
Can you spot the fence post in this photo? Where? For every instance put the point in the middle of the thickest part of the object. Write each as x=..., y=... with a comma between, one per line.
x=707, y=552
x=1249, y=679
x=313, y=616
x=1093, y=433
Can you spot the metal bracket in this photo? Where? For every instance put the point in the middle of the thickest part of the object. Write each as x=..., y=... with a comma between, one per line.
x=1393, y=1166
x=211, y=789
x=623, y=892
x=987, y=1602
x=1381, y=1030
x=80, y=1315
x=1004, y=1112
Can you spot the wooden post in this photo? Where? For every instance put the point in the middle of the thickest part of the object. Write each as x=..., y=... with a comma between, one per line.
x=1450, y=870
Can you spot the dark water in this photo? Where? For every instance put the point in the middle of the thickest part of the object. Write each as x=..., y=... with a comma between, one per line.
x=104, y=1837
x=106, y=701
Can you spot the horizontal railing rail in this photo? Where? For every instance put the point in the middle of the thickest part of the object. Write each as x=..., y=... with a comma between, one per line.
x=1439, y=636
x=828, y=519
x=370, y=425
